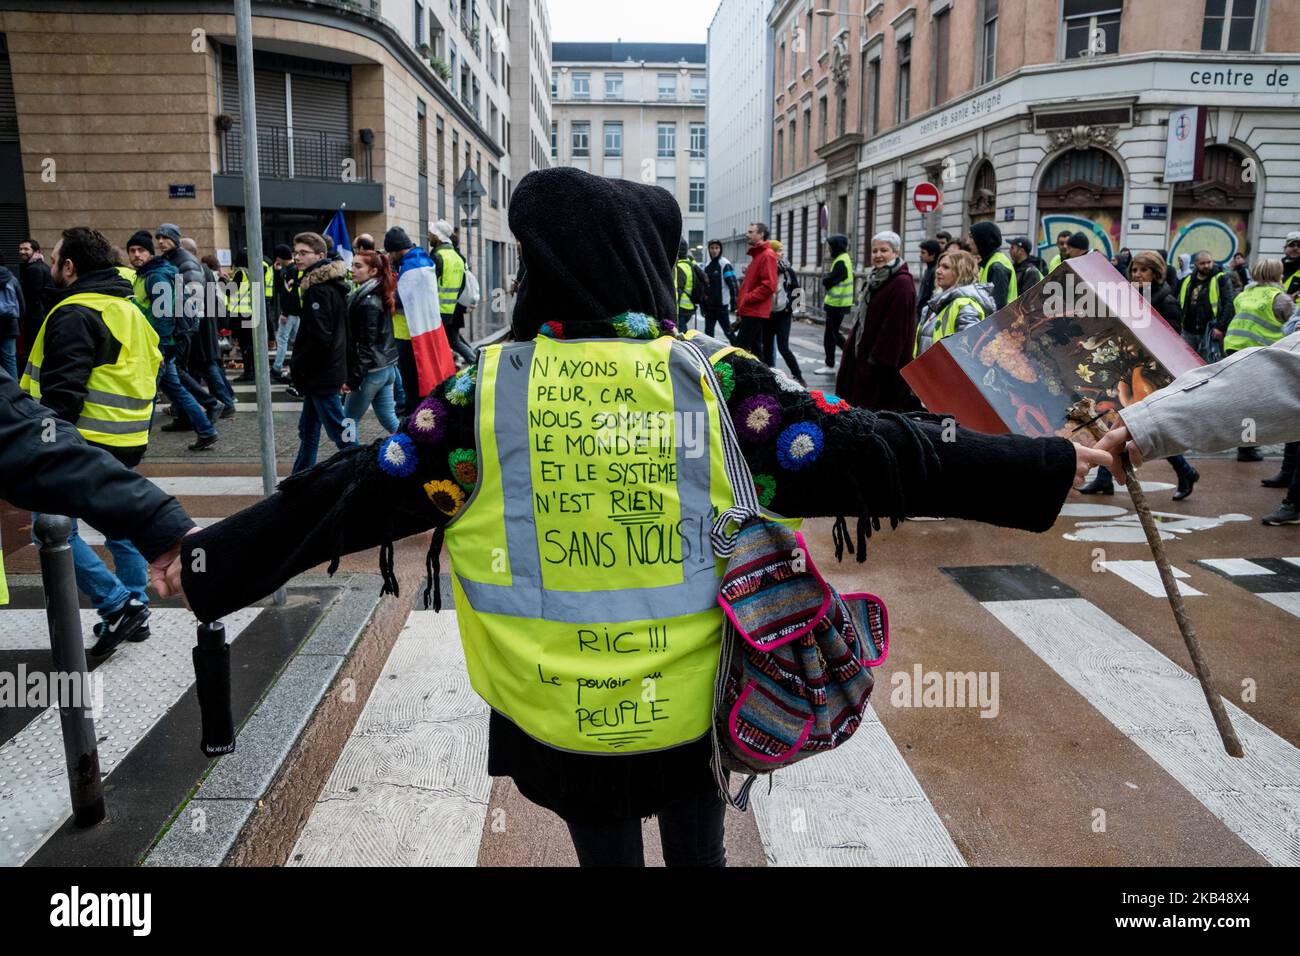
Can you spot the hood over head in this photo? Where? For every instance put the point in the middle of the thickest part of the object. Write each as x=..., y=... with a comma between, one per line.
x=839, y=244
x=593, y=248
x=981, y=292
x=987, y=238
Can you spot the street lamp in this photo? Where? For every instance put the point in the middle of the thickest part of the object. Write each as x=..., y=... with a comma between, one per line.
x=828, y=12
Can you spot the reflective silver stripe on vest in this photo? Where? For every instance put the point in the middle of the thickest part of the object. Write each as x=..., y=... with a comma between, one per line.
x=118, y=401
x=85, y=423
x=525, y=596
x=33, y=372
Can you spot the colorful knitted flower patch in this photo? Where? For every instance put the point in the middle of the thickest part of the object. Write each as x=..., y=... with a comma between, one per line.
x=758, y=418
x=830, y=404
x=765, y=485
x=799, y=446
x=428, y=423
x=460, y=388
x=552, y=330
x=397, y=456
x=446, y=496
x=785, y=383
x=464, y=467
x=726, y=378
x=636, y=325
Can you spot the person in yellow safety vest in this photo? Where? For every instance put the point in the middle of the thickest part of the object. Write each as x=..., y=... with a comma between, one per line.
x=1291, y=264
x=996, y=267
x=689, y=284
x=1062, y=250
x=95, y=365
x=1255, y=321
x=959, y=300
x=838, y=302
x=582, y=546
x=62, y=474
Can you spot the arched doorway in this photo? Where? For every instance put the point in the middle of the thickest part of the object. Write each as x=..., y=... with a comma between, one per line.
x=1082, y=191
x=1213, y=213
x=982, y=202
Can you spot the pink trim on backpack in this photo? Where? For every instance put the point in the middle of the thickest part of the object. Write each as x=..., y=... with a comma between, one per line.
x=816, y=619
x=884, y=621
x=735, y=737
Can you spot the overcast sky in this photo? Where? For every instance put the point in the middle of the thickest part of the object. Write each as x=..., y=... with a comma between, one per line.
x=639, y=21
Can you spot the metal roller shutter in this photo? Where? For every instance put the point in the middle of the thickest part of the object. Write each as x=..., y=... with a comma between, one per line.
x=13, y=194
x=322, y=126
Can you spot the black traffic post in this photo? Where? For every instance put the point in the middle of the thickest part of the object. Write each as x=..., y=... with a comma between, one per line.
x=212, y=683
x=59, y=581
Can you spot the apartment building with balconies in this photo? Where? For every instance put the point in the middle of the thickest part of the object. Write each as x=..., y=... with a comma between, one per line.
x=635, y=111
x=530, y=92
x=122, y=120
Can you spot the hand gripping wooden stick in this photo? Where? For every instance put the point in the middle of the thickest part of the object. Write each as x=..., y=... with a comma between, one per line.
x=1231, y=744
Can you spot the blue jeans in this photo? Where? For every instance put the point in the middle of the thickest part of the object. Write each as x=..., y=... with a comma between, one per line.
x=318, y=408
x=285, y=333
x=169, y=383
x=9, y=357
x=218, y=384
x=376, y=389
x=108, y=592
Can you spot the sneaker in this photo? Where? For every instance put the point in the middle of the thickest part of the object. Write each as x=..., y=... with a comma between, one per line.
x=180, y=425
x=1289, y=513
x=228, y=412
x=138, y=637
x=120, y=626
x=294, y=393
x=203, y=444
x=824, y=370
x=1249, y=454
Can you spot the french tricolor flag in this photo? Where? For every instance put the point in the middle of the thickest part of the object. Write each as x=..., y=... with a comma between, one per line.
x=417, y=288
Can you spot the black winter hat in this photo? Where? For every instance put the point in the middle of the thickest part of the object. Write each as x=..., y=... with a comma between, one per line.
x=143, y=239
x=683, y=250
x=396, y=240
x=1079, y=240
x=987, y=237
x=283, y=251
x=838, y=244
x=593, y=248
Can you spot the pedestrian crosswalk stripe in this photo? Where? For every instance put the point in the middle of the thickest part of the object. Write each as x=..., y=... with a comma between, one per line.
x=1160, y=707
x=411, y=786
x=141, y=683
x=857, y=805
x=95, y=539
x=185, y=486
x=1145, y=576
x=1275, y=580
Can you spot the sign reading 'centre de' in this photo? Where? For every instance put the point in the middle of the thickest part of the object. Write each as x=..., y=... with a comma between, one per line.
x=927, y=197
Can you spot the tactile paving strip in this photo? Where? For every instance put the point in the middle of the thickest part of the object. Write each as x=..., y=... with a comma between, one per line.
x=140, y=683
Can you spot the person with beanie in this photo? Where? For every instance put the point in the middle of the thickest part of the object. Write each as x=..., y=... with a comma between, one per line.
x=599, y=305
x=156, y=291
x=1077, y=245
x=996, y=267
x=1029, y=268
x=838, y=301
x=1291, y=265
x=190, y=339
x=396, y=245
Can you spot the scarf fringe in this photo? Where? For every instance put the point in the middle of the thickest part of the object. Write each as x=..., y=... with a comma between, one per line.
x=433, y=570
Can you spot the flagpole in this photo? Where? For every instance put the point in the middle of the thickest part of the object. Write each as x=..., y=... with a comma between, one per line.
x=253, y=229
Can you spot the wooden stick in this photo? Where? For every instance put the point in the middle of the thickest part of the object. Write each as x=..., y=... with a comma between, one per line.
x=1230, y=742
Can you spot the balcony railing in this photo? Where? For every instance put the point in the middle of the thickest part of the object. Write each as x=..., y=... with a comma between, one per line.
x=372, y=7
x=296, y=153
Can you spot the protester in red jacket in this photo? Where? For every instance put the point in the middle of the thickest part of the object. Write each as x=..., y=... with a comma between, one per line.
x=754, y=305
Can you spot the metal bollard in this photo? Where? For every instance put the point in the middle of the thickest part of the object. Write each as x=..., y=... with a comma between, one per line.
x=212, y=683
x=59, y=581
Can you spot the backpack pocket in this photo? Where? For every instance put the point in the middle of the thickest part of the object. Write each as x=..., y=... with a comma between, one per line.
x=869, y=620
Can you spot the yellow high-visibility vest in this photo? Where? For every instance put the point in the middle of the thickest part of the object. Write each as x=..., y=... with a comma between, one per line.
x=119, y=397
x=1013, y=290
x=684, y=284
x=840, y=296
x=4, y=589
x=584, y=576
x=1253, y=325
x=240, y=301
x=945, y=323
x=1214, y=293
x=450, y=282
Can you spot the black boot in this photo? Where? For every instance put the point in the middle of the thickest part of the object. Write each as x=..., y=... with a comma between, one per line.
x=1186, y=481
x=1282, y=479
x=1249, y=454
x=1099, y=486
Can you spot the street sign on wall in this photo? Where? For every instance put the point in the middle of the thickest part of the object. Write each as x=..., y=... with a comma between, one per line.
x=926, y=197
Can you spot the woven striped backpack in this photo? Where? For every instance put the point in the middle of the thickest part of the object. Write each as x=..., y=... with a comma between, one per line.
x=795, y=669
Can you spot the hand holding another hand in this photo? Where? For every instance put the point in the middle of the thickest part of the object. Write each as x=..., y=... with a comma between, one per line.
x=1113, y=444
